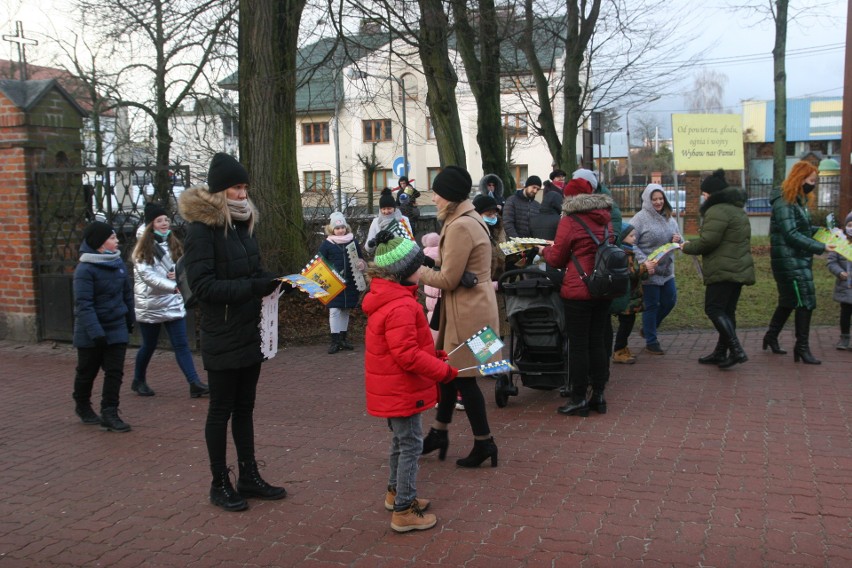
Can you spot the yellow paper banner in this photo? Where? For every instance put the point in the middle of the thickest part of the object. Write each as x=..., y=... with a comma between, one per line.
x=707, y=141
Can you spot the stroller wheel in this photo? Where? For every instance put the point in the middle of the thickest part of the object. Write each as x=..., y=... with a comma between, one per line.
x=503, y=389
x=501, y=398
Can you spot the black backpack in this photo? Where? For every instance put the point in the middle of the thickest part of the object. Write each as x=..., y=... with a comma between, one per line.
x=610, y=277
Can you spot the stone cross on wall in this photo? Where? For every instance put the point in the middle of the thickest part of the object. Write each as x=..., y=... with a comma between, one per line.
x=22, y=49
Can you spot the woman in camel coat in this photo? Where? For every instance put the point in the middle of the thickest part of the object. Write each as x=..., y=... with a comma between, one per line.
x=465, y=308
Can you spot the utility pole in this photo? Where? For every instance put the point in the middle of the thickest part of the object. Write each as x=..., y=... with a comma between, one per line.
x=846, y=131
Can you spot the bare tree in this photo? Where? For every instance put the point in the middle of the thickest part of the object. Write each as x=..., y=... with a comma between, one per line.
x=615, y=52
x=707, y=95
x=423, y=25
x=441, y=81
x=646, y=129
x=479, y=46
x=167, y=45
x=269, y=32
x=611, y=120
x=782, y=13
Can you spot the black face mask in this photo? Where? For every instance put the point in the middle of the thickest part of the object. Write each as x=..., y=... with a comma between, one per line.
x=808, y=187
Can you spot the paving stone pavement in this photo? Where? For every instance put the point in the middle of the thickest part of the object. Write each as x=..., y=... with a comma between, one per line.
x=691, y=466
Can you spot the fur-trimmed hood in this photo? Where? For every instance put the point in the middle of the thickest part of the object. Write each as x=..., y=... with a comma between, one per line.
x=498, y=183
x=733, y=195
x=586, y=202
x=197, y=204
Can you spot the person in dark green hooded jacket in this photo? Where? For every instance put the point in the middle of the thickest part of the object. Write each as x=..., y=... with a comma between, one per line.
x=793, y=248
x=724, y=244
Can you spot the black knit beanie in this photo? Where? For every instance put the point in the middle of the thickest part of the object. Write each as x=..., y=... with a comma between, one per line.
x=714, y=182
x=483, y=203
x=533, y=180
x=152, y=211
x=225, y=171
x=387, y=200
x=453, y=184
x=96, y=234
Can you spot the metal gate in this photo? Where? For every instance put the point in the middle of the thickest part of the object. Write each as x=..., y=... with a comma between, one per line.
x=65, y=201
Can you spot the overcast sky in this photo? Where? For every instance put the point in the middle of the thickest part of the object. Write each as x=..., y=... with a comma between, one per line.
x=732, y=44
x=815, y=54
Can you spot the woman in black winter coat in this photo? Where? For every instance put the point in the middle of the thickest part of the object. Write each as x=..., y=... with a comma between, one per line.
x=224, y=271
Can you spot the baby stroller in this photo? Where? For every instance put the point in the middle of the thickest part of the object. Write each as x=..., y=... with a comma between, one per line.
x=538, y=345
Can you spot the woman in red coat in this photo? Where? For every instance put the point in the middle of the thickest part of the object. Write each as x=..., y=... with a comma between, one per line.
x=585, y=317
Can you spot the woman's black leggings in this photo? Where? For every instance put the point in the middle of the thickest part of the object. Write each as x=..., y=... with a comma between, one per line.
x=474, y=404
x=232, y=395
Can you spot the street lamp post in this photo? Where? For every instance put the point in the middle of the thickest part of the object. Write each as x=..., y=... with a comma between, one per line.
x=401, y=84
x=627, y=127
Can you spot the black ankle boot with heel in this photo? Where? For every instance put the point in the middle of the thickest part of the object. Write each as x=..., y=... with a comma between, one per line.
x=802, y=349
x=436, y=440
x=776, y=324
x=482, y=450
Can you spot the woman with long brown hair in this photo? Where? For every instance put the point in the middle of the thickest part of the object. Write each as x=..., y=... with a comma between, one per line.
x=792, y=251
x=158, y=301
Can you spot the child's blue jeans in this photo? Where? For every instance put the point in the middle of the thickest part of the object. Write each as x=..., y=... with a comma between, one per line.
x=406, y=446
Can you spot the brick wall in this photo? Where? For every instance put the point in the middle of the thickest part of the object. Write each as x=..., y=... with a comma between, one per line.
x=28, y=141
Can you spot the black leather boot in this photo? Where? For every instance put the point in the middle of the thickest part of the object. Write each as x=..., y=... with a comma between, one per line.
x=578, y=406
x=345, y=344
x=482, y=450
x=111, y=422
x=223, y=494
x=334, y=346
x=720, y=353
x=728, y=336
x=736, y=354
x=597, y=402
x=251, y=484
x=802, y=348
x=436, y=440
x=197, y=390
x=141, y=388
x=87, y=414
x=776, y=324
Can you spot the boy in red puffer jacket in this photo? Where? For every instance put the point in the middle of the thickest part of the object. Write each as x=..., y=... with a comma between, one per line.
x=402, y=369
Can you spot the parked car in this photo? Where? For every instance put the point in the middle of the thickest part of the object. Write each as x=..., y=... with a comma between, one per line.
x=125, y=224
x=758, y=205
x=680, y=203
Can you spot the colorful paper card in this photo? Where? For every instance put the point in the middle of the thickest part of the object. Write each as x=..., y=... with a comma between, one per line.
x=517, y=244
x=320, y=271
x=662, y=251
x=497, y=368
x=310, y=287
x=835, y=237
x=484, y=344
x=400, y=228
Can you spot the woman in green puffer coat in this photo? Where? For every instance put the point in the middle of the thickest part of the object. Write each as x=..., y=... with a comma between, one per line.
x=725, y=246
x=790, y=234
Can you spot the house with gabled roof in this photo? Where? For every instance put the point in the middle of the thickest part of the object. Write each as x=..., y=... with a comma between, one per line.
x=364, y=100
